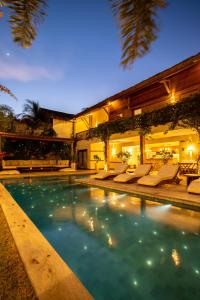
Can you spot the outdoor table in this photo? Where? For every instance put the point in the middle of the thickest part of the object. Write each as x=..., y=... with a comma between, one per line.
x=191, y=177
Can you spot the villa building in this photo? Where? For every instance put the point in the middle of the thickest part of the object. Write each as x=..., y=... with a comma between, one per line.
x=168, y=87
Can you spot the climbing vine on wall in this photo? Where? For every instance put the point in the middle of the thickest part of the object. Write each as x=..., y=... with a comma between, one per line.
x=174, y=114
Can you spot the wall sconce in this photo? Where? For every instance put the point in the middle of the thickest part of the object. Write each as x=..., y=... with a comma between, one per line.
x=172, y=98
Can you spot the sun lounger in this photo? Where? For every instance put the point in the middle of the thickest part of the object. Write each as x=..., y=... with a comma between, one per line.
x=118, y=170
x=166, y=174
x=140, y=171
x=194, y=187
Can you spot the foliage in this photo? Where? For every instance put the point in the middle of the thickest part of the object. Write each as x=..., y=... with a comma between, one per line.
x=137, y=20
x=165, y=155
x=33, y=116
x=124, y=156
x=24, y=18
x=36, y=149
x=5, y=90
x=179, y=114
x=96, y=157
x=7, y=118
x=48, y=131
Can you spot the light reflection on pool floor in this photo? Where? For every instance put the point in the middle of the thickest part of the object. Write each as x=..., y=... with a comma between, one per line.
x=120, y=246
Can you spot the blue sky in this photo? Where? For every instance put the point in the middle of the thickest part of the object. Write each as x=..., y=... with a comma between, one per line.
x=75, y=60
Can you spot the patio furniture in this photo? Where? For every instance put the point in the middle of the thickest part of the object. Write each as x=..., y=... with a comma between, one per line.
x=194, y=187
x=31, y=164
x=121, y=168
x=166, y=174
x=191, y=177
x=140, y=171
x=188, y=167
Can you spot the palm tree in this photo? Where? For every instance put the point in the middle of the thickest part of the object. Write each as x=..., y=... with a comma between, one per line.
x=5, y=90
x=137, y=21
x=24, y=18
x=138, y=26
x=33, y=115
x=7, y=118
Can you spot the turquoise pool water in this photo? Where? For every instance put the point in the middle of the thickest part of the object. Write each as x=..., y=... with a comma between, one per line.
x=120, y=246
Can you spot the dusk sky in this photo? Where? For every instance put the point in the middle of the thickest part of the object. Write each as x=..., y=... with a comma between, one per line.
x=75, y=60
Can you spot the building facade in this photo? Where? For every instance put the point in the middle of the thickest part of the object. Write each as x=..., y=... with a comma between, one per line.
x=166, y=88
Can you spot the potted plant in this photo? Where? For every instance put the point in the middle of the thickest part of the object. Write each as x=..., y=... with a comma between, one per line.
x=97, y=159
x=124, y=156
x=165, y=155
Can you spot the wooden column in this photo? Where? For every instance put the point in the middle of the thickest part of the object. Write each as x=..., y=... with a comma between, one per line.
x=142, y=147
x=106, y=153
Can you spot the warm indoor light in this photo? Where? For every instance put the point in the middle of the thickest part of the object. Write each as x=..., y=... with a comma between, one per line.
x=113, y=151
x=173, y=98
x=190, y=150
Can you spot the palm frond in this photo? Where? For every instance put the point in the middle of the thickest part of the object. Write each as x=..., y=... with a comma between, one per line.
x=24, y=18
x=7, y=91
x=137, y=21
x=6, y=110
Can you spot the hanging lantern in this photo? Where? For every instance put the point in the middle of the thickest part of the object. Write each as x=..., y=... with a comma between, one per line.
x=1, y=13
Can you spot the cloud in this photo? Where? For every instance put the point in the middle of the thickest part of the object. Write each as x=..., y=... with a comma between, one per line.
x=24, y=72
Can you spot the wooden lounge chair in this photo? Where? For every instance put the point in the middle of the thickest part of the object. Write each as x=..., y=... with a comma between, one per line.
x=140, y=171
x=120, y=169
x=166, y=174
x=194, y=187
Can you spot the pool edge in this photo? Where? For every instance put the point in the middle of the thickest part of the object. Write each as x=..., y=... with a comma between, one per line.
x=49, y=275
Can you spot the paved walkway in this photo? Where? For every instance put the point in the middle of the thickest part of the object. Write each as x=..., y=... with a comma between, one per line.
x=173, y=193
x=14, y=282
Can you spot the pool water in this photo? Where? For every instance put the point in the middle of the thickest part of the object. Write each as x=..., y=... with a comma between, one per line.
x=120, y=246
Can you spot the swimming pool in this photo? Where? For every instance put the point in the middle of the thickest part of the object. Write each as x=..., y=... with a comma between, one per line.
x=121, y=246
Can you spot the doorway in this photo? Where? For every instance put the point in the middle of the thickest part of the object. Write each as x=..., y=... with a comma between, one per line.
x=82, y=159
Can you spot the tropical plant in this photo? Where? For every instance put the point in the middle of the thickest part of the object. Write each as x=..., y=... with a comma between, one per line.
x=25, y=15
x=7, y=118
x=5, y=90
x=97, y=159
x=31, y=149
x=165, y=155
x=124, y=156
x=33, y=115
x=137, y=21
x=48, y=131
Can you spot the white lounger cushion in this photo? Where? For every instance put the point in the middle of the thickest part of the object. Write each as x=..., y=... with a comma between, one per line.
x=140, y=171
x=194, y=187
x=167, y=172
x=66, y=170
x=118, y=170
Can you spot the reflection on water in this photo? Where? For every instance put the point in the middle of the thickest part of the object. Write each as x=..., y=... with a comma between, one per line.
x=121, y=246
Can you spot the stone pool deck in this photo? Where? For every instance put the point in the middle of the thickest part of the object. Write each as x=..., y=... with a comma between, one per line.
x=14, y=282
x=171, y=192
